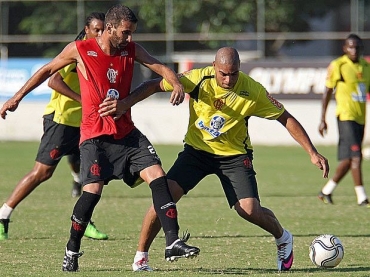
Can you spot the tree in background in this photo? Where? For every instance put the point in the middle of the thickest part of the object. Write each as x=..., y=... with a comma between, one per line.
x=47, y=17
x=190, y=16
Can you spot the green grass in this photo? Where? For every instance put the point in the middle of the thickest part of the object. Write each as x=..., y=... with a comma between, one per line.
x=288, y=185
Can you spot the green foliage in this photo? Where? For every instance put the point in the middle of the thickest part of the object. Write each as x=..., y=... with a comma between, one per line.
x=52, y=18
x=231, y=15
x=288, y=185
x=191, y=16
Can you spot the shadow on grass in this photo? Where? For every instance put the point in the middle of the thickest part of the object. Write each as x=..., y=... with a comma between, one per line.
x=245, y=270
x=269, y=236
x=112, y=238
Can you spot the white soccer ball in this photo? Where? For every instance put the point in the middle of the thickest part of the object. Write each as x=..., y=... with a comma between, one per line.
x=366, y=153
x=326, y=251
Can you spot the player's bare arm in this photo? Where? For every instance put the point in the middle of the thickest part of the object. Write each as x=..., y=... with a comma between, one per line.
x=323, y=127
x=68, y=55
x=57, y=83
x=178, y=93
x=296, y=130
x=117, y=108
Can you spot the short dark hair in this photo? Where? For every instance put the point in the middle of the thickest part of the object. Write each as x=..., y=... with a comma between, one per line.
x=117, y=13
x=354, y=36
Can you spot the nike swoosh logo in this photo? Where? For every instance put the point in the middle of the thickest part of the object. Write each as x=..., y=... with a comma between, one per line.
x=289, y=263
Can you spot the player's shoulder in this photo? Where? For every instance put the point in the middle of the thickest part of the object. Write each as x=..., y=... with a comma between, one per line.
x=246, y=79
x=336, y=64
x=207, y=71
x=198, y=73
x=338, y=61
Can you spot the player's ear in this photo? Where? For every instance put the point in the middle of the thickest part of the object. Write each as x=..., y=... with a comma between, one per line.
x=109, y=27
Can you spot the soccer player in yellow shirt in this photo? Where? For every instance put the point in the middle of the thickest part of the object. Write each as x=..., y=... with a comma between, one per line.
x=349, y=79
x=222, y=99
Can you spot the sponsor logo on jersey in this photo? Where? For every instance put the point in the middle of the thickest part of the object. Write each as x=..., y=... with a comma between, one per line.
x=361, y=94
x=276, y=103
x=113, y=93
x=112, y=75
x=244, y=93
x=92, y=53
x=216, y=124
x=124, y=53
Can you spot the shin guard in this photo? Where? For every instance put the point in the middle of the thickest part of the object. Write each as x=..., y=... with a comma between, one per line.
x=165, y=208
x=81, y=216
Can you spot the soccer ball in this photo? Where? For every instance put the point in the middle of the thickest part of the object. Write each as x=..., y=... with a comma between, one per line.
x=366, y=153
x=326, y=251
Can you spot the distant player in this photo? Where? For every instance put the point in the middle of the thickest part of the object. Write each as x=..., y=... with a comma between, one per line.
x=222, y=99
x=349, y=79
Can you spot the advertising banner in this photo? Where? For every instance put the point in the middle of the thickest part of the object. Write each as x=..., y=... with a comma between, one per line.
x=15, y=72
x=296, y=79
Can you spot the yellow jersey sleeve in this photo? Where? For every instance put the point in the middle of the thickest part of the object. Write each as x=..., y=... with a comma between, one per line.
x=64, y=72
x=188, y=79
x=333, y=74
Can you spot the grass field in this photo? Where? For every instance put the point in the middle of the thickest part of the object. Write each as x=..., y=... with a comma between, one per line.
x=288, y=184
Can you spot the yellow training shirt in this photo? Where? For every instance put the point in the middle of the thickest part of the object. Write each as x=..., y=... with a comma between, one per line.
x=66, y=110
x=351, y=82
x=218, y=121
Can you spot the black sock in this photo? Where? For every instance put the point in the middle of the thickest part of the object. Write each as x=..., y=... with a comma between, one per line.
x=81, y=216
x=165, y=209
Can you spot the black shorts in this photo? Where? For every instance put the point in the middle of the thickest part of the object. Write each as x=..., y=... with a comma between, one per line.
x=236, y=173
x=57, y=141
x=351, y=135
x=105, y=158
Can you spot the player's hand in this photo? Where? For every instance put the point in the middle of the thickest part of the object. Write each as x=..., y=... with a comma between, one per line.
x=323, y=128
x=177, y=95
x=321, y=162
x=112, y=107
x=11, y=105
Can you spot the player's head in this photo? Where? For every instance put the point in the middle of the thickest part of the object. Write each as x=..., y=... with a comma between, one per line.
x=353, y=47
x=94, y=26
x=120, y=23
x=227, y=65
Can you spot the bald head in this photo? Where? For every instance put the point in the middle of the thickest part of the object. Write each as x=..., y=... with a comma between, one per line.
x=227, y=56
x=226, y=65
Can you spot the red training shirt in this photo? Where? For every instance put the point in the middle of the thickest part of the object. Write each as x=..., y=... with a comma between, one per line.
x=107, y=76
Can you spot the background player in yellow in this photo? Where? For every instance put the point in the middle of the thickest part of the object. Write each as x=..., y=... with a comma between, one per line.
x=62, y=118
x=348, y=78
x=222, y=99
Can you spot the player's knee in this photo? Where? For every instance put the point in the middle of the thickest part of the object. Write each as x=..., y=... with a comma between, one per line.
x=42, y=172
x=247, y=208
x=355, y=162
x=41, y=176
